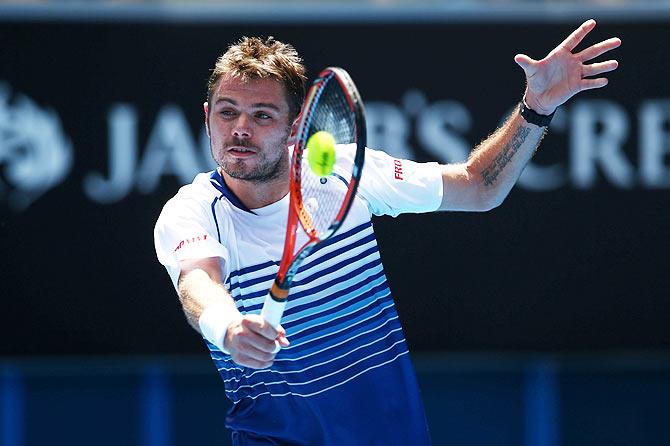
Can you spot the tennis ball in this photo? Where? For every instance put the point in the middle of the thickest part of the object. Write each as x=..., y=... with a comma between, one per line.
x=321, y=153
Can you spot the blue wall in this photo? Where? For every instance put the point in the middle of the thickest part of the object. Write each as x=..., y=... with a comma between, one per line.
x=470, y=400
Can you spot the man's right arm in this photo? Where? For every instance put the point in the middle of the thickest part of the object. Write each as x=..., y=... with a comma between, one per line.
x=211, y=311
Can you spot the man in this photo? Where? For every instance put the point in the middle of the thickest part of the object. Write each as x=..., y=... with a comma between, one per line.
x=345, y=378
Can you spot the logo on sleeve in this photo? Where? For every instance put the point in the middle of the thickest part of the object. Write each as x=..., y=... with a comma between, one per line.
x=397, y=170
x=188, y=241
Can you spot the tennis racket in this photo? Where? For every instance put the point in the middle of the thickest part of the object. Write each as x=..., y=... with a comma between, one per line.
x=332, y=105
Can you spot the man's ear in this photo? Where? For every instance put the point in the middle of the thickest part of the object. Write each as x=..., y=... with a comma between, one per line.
x=294, y=126
x=205, y=106
x=292, y=134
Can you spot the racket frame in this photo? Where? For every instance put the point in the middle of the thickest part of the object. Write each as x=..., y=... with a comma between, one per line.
x=275, y=302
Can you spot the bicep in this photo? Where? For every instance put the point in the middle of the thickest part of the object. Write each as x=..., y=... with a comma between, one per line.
x=210, y=265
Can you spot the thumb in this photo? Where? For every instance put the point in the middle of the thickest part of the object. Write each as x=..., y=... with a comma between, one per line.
x=526, y=63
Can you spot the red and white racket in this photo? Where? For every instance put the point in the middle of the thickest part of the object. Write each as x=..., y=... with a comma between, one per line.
x=332, y=105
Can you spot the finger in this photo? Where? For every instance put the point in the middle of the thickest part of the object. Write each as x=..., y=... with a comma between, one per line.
x=590, y=84
x=280, y=331
x=526, y=63
x=283, y=341
x=259, y=354
x=259, y=342
x=571, y=42
x=599, y=68
x=244, y=337
x=260, y=326
x=247, y=361
x=599, y=48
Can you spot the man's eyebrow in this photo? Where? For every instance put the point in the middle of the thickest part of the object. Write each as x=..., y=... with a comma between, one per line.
x=256, y=105
x=266, y=105
x=225, y=99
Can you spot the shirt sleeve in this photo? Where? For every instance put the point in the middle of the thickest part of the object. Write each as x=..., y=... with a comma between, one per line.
x=394, y=186
x=185, y=230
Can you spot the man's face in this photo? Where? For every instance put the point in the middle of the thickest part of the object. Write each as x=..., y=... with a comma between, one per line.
x=248, y=125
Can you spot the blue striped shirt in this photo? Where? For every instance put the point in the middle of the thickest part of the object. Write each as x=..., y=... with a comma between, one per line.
x=346, y=377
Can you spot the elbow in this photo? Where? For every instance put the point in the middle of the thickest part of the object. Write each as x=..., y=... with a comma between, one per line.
x=469, y=192
x=477, y=201
x=491, y=194
x=488, y=198
x=485, y=197
x=492, y=201
x=484, y=206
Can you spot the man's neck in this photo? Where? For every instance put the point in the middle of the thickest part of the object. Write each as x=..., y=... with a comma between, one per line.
x=256, y=195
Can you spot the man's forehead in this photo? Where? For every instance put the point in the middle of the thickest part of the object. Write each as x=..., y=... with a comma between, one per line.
x=258, y=89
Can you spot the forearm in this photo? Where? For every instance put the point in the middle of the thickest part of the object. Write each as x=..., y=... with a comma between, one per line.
x=198, y=291
x=484, y=180
x=211, y=311
x=496, y=164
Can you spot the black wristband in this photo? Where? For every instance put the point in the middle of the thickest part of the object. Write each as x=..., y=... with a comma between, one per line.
x=533, y=117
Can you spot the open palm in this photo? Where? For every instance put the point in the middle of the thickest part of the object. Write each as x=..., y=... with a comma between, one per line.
x=562, y=73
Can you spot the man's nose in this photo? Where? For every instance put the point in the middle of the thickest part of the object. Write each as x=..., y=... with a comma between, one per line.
x=242, y=127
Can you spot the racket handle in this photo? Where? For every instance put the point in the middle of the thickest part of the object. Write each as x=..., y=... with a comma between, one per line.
x=272, y=312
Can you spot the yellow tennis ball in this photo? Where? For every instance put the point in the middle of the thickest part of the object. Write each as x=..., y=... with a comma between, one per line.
x=321, y=153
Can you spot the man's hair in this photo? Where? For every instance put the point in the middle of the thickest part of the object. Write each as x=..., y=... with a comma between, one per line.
x=256, y=58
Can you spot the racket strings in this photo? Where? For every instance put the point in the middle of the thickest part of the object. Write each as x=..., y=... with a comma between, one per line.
x=323, y=199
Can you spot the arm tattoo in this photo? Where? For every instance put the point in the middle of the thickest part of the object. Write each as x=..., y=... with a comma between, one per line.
x=491, y=172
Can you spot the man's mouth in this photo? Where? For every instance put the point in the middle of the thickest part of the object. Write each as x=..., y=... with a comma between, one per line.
x=241, y=151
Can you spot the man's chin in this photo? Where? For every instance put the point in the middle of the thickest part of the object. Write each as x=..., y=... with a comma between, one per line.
x=239, y=170
x=243, y=171
x=253, y=176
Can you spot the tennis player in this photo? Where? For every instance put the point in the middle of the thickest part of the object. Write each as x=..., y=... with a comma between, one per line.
x=345, y=377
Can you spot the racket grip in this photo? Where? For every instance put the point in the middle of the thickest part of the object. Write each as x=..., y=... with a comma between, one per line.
x=272, y=312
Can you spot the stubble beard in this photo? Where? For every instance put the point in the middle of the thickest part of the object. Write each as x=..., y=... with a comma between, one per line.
x=262, y=172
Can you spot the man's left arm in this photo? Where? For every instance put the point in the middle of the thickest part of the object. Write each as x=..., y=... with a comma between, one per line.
x=484, y=180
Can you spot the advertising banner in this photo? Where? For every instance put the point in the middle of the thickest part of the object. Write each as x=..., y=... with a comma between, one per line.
x=100, y=123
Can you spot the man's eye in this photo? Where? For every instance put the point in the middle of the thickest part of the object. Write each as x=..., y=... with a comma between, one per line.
x=263, y=116
x=227, y=113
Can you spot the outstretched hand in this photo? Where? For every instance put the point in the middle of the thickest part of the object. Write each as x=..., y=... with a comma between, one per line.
x=553, y=80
